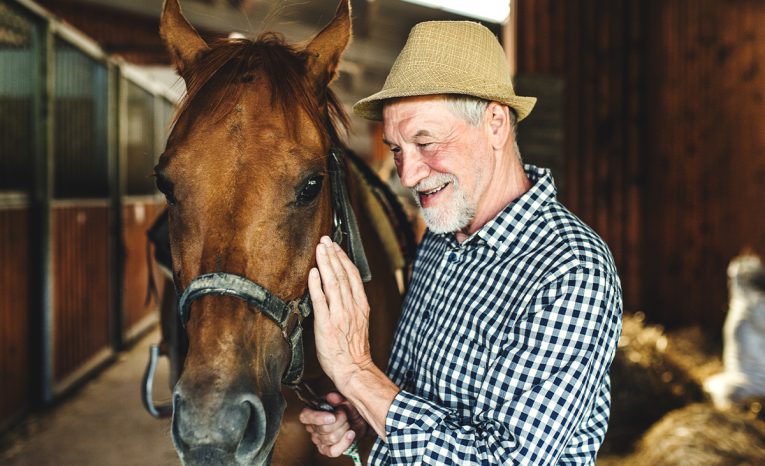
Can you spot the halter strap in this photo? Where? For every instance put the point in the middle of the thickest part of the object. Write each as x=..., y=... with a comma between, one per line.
x=344, y=217
x=221, y=283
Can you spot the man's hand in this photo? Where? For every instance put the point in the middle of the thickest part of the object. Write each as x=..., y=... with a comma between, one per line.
x=333, y=433
x=341, y=314
x=341, y=333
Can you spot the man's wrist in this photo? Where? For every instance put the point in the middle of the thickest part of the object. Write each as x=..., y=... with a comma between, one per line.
x=366, y=379
x=371, y=392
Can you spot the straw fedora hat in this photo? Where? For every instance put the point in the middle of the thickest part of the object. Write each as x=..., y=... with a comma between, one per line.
x=448, y=57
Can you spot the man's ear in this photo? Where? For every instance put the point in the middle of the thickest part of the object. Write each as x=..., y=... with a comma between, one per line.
x=499, y=124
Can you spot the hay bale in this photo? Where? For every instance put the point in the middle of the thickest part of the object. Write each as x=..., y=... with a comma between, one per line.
x=700, y=435
x=647, y=382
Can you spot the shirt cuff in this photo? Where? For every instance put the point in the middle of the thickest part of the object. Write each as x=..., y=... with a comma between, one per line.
x=409, y=412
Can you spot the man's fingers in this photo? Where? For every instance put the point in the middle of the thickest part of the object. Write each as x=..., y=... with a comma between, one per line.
x=317, y=418
x=338, y=270
x=343, y=444
x=318, y=300
x=329, y=279
x=332, y=432
x=354, y=278
x=329, y=425
x=340, y=422
x=334, y=398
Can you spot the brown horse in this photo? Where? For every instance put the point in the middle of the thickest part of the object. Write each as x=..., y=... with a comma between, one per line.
x=249, y=175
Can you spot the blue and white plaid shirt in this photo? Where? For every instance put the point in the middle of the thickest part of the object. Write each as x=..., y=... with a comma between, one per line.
x=505, y=341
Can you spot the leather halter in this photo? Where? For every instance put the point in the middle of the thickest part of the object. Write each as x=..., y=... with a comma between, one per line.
x=346, y=233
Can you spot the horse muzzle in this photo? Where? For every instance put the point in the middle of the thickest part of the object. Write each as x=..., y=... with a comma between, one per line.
x=229, y=432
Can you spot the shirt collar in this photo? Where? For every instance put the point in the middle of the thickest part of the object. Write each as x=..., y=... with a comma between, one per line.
x=507, y=226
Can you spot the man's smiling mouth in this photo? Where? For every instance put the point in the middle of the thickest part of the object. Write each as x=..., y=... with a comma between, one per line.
x=434, y=190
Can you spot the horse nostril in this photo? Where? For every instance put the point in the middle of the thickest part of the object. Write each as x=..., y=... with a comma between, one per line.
x=233, y=428
x=255, y=431
x=178, y=440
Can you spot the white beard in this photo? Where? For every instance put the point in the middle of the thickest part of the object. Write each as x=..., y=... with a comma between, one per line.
x=446, y=217
x=743, y=335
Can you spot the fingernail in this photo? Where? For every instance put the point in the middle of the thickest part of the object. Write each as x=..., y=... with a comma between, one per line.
x=313, y=272
x=329, y=419
x=326, y=240
x=350, y=435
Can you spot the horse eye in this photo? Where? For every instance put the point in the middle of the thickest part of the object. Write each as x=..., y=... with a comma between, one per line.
x=165, y=186
x=310, y=190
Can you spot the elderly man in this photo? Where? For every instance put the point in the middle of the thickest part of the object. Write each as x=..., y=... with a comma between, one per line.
x=511, y=322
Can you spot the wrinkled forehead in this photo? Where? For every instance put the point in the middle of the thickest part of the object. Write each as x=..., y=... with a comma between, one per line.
x=413, y=117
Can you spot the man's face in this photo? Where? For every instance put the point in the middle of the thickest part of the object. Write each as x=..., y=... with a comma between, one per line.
x=442, y=158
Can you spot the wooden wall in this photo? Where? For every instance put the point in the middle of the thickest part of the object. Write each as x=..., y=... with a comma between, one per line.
x=81, y=286
x=664, y=142
x=707, y=75
x=15, y=363
x=137, y=216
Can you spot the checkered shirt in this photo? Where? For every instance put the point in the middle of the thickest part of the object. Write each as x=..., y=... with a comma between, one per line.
x=505, y=341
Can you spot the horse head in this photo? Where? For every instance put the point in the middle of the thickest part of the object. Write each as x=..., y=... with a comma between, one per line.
x=246, y=176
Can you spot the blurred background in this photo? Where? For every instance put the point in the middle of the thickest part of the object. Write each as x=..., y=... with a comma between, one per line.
x=651, y=115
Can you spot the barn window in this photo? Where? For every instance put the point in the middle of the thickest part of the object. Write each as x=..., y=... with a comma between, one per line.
x=18, y=90
x=141, y=149
x=80, y=125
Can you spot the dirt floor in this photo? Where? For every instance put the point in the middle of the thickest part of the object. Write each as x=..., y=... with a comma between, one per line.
x=103, y=424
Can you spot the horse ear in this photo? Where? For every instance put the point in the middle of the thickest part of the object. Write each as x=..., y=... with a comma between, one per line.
x=181, y=39
x=325, y=49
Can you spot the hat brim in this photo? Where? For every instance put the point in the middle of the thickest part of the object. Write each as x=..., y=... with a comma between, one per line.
x=371, y=107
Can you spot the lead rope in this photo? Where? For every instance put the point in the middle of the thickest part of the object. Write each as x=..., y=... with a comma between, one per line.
x=353, y=452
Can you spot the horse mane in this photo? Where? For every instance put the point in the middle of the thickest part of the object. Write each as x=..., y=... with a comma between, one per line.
x=283, y=65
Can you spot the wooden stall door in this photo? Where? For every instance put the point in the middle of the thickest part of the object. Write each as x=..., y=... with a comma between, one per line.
x=14, y=314
x=81, y=291
x=140, y=308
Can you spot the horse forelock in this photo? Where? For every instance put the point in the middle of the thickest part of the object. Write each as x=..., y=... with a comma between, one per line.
x=284, y=67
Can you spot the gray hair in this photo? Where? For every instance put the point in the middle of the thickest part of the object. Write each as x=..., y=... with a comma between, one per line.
x=471, y=109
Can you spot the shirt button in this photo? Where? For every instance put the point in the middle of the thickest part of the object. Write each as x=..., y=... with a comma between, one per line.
x=453, y=257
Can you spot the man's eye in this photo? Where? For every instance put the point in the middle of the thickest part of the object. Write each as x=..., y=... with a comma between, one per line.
x=310, y=190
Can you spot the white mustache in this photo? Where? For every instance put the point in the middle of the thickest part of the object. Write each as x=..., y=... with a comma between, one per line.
x=433, y=182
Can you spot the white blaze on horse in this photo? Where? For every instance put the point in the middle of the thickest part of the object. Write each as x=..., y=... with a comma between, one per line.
x=743, y=335
x=254, y=175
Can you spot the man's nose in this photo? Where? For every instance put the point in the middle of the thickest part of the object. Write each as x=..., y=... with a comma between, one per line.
x=412, y=169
